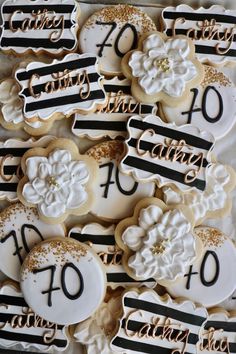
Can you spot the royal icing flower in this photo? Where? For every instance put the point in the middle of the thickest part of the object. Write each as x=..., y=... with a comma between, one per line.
x=162, y=244
x=164, y=65
x=11, y=102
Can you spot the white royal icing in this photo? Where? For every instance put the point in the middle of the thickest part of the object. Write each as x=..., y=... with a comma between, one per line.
x=41, y=25
x=95, y=332
x=21, y=229
x=167, y=154
x=112, y=187
x=163, y=65
x=111, y=120
x=56, y=183
x=11, y=103
x=210, y=279
x=214, y=199
x=72, y=276
x=63, y=86
x=210, y=106
x=154, y=324
x=23, y=327
x=230, y=303
x=212, y=30
x=117, y=30
x=102, y=241
x=11, y=152
x=163, y=244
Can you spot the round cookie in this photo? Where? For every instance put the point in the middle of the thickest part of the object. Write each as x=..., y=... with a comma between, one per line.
x=20, y=230
x=111, y=32
x=210, y=105
x=63, y=281
x=116, y=193
x=211, y=278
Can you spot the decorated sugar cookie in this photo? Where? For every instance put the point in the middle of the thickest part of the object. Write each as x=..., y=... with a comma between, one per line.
x=102, y=240
x=154, y=324
x=218, y=333
x=116, y=193
x=214, y=202
x=39, y=26
x=95, y=333
x=158, y=241
x=63, y=281
x=64, y=86
x=58, y=181
x=11, y=152
x=210, y=106
x=211, y=29
x=21, y=229
x=209, y=280
x=19, y=325
x=162, y=68
x=112, y=118
x=111, y=32
x=167, y=154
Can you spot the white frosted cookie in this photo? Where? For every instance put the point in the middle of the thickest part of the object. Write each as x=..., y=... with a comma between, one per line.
x=95, y=333
x=113, y=31
x=111, y=120
x=211, y=29
x=155, y=324
x=11, y=152
x=167, y=154
x=19, y=325
x=63, y=281
x=214, y=202
x=39, y=26
x=209, y=280
x=210, y=105
x=102, y=240
x=116, y=193
x=20, y=230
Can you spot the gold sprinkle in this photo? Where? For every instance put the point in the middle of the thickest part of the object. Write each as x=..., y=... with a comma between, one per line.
x=109, y=149
x=210, y=237
x=158, y=247
x=212, y=76
x=52, y=181
x=163, y=64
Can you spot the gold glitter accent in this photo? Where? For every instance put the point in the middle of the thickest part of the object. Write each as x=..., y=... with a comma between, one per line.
x=52, y=181
x=163, y=64
x=158, y=247
x=212, y=76
x=109, y=149
x=122, y=14
x=210, y=237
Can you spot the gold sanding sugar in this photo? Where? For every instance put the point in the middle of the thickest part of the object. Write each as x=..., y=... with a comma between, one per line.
x=211, y=237
x=109, y=149
x=214, y=76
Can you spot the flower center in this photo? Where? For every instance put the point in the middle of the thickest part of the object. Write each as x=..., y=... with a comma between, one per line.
x=163, y=64
x=158, y=247
x=52, y=182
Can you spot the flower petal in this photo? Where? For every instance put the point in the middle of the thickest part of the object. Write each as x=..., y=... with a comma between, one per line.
x=30, y=194
x=154, y=41
x=151, y=85
x=174, y=88
x=132, y=237
x=32, y=166
x=53, y=210
x=8, y=91
x=78, y=171
x=40, y=186
x=149, y=216
x=44, y=170
x=136, y=63
x=12, y=112
x=58, y=155
x=77, y=196
x=177, y=48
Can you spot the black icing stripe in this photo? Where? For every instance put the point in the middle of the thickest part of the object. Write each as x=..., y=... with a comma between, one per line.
x=100, y=125
x=7, y=317
x=18, y=24
x=26, y=9
x=147, y=146
x=135, y=326
x=93, y=77
x=226, y=326
x=163, y=171
x=8, y=187
x=27, y=338
x=169, y=32
x=195, y=16
x=117, y=88
x=172, y=133
x=202, y=49
x=232, y=346
x=108, y=240
x=61, y=101
x=16, y=152
x=12, y=300
x=124, y=278
x=50, y=69
x=37, y=43
x=9, y=169
x=166, y=311
x=139, y=347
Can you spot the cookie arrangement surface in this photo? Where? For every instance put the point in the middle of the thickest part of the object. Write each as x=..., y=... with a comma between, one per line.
x=110, y=235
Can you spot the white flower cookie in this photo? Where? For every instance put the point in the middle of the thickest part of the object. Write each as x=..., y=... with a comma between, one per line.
x=57, y=180
x=162, y=68
x=157, y=241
